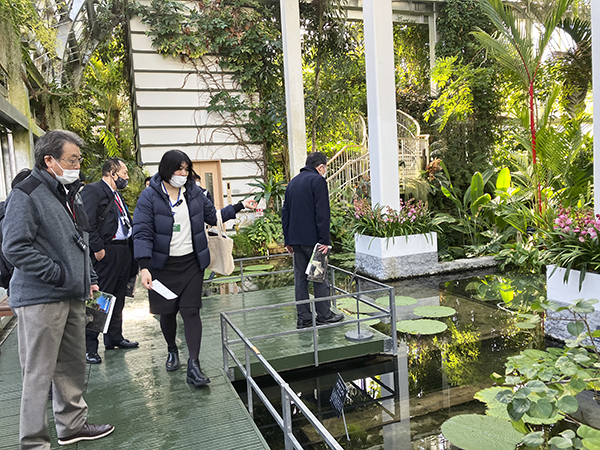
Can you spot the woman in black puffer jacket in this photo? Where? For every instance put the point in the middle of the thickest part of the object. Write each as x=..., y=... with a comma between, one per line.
x=170, y=245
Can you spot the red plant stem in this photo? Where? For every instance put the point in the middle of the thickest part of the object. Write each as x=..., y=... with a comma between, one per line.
x=533, y=152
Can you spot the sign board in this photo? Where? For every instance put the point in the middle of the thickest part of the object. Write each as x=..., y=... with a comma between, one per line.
x=258, y=212
x=338, y=396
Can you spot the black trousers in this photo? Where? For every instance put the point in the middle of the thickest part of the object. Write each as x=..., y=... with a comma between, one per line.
x=113, y=274
x=302, y=256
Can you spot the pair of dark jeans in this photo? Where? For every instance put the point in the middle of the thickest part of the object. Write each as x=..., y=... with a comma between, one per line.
x=302, y=254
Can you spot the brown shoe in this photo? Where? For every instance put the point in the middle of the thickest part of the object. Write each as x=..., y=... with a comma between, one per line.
x=88, y=432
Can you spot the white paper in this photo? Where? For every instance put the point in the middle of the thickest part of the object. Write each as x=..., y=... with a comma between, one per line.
x=161, y=289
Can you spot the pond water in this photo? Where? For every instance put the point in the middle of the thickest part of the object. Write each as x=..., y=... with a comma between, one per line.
x=401, y=402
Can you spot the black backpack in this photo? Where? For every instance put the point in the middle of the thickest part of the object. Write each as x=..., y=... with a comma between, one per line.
x=6, y=268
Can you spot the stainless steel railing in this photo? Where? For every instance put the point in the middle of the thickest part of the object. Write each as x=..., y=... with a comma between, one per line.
x=288, y=396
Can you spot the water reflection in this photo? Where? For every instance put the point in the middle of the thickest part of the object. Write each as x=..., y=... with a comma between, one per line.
x=402, y=402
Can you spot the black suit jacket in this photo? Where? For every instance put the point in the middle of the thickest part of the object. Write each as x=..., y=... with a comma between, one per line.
x=96, y=197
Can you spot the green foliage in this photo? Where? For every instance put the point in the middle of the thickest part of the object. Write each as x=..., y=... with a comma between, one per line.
x=247, y=40
x=474, y=432
x=334, y=77
x=540, y=387
x=342, y=236
x=378, y=221
x=516, y=51
x=466, y=141
x=456, y=82
x=253, y=240
x=22, y=15
x=434, y=311
x=412, y=58
x=271, y=192
x=100, y=110
x=421, y=326
x=572, y=242
x=520, y=257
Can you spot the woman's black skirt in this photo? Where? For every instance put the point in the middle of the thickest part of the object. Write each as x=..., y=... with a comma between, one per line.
x=183, y=276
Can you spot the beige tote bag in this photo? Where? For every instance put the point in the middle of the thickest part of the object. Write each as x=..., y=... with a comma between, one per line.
x=220, y=247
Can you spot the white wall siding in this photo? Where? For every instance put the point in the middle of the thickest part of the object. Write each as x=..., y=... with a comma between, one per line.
x=171, y=103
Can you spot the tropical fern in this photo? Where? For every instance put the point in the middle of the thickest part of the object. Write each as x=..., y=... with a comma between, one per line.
x=110, y=142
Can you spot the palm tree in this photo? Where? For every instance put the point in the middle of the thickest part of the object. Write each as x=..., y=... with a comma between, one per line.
x=515, y=50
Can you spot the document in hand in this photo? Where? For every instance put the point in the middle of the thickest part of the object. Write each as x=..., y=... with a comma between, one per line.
x=317, y=266
x=98, y=311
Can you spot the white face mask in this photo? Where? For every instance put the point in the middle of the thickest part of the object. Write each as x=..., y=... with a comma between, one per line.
x=69, y=175
x=177, y=181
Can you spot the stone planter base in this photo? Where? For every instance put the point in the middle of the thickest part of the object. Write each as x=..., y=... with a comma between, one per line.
x=399, y=257
x=567, y=294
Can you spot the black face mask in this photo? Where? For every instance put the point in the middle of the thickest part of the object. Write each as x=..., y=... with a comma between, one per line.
x=121, y=183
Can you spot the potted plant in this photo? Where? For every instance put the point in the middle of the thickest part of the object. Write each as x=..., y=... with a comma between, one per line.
x=572, y=255
x=393, y=244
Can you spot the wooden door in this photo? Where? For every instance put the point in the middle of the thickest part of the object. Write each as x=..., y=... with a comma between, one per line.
x=210, y=173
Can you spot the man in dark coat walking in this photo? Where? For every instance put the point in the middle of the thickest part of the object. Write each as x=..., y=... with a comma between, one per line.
x=305, y=219
x=111, y=248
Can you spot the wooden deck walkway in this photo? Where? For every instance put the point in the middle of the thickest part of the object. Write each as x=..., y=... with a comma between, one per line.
x=154, y=409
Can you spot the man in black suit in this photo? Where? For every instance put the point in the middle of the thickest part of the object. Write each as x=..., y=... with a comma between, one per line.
x=305, y=220
x=111, y=248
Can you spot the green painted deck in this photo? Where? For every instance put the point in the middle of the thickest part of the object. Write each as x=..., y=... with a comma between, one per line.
x=154, y=409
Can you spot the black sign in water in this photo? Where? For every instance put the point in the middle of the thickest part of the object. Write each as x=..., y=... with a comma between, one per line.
x=338, y=395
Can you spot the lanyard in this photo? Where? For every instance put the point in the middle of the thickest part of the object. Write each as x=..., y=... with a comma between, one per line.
x=120, y=205
x=177, y=202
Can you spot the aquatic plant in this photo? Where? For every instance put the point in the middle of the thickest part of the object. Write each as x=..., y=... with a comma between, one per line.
x=539, y=388
x=434, y=311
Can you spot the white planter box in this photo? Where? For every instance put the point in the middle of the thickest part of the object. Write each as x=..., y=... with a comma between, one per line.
x=566, y=294
x=413, y=244
x=398, y=257
x=569, y=292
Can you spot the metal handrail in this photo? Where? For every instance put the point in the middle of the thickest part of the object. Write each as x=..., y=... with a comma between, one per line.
x=288, y=396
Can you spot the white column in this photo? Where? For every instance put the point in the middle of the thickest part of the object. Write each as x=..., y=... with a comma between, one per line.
x=596, y=88
x=294, y=88
x=432, y=21
x=381, y=102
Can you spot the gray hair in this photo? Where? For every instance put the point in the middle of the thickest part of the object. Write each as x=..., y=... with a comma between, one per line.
x=52, y=143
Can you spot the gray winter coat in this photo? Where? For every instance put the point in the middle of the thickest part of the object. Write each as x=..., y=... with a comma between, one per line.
x=40, y=241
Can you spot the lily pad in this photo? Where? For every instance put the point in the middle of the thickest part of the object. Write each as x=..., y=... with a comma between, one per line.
x=474, y=432
x=525, y=325
x=497, y=409
x=259, y=267
x=400, y=301
x=349, y=304
x=434, y=311
x=226, y=280
x=421, y=326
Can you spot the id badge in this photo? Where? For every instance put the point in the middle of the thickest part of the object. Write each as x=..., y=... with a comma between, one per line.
x=176, y=227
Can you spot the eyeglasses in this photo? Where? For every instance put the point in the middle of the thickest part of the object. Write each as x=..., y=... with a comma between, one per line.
x=73, y=162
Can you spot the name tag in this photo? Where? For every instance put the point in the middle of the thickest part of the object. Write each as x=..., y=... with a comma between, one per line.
x=176, y=227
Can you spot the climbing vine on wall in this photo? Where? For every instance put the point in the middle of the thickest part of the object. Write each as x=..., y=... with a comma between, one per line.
x=245, y=35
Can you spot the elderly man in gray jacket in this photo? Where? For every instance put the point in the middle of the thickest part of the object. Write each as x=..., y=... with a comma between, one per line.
x=45, y=240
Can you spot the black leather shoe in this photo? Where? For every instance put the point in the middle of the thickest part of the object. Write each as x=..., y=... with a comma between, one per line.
x=93, y=358
x=334, y=318
x=195, y=375
x=125, y=343
x=89, y=432
x=172, y=363
x=304, y=324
